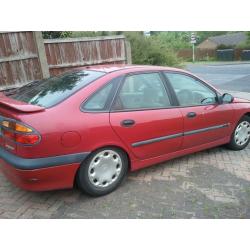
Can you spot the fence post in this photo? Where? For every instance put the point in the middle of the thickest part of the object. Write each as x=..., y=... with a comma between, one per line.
x=41, y=54
x=128, y=52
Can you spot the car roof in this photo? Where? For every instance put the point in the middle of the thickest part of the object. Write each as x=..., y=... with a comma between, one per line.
x=108, y=68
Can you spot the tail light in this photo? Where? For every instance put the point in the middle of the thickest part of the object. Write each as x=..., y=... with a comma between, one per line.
x=19, y=132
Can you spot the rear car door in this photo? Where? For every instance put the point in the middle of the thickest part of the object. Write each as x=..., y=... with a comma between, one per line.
x=143, y=117
x=205, y=120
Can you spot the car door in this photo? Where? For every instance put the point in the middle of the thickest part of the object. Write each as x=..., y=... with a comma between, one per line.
x=205, y=120
x=143, y=118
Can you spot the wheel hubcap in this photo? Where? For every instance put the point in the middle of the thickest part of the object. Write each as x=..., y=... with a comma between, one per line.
x=242, y=133
x=105, y=168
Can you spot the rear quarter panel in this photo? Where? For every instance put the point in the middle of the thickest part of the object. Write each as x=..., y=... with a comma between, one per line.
x=93, y=129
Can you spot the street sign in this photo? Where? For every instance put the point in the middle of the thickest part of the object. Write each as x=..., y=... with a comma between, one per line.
x=193, y=38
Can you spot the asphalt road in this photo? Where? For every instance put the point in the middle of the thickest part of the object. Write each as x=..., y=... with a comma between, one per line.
x=224, y=76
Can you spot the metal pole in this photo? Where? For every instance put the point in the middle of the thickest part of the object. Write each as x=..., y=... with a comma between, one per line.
x=193, y=53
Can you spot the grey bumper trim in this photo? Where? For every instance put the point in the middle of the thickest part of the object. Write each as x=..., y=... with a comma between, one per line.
x=38, y=163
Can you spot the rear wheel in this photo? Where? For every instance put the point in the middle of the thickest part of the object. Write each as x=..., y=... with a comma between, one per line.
x=241, y=135
x=103, y=171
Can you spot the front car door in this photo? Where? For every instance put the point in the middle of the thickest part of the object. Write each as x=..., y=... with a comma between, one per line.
x=143, y=117
x=205, y=120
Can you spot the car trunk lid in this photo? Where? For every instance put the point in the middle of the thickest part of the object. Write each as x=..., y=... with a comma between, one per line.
x=7, y=102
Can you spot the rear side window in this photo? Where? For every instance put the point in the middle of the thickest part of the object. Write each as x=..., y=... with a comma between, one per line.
x=99, y=100
x=52, y=91
x=142, y=91
x=102, y=98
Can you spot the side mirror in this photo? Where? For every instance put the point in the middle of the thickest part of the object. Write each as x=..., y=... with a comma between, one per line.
x=227, y=98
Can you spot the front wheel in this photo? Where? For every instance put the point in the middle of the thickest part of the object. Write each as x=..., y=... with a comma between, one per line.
x=103, y=171
x=241, y=135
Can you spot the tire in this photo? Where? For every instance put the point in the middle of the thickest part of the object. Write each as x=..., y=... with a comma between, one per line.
x=240, y=137
x=103, y=171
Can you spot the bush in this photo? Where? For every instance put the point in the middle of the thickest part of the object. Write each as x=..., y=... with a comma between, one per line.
x=150, y=50
x=244, y=45
x=175, y=40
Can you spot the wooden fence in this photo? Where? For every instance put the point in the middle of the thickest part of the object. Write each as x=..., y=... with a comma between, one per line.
x=63, y=54
x=25, y=56
x=205, y=54
x=200, y=54
x=20, y=58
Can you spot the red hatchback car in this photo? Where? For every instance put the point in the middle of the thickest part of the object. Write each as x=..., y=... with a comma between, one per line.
x=92, y=125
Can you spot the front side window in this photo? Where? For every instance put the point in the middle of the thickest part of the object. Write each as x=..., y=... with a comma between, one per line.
x=189, y=91
x=142, y=91
x=51, y=91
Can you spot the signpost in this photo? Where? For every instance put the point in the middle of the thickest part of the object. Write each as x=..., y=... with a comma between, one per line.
x=146, y=33
x=193, y=41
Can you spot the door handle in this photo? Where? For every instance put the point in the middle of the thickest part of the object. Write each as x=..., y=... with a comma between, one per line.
x=191, y=115
x=127, y=123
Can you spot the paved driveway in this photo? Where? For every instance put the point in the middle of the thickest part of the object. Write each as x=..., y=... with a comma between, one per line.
x=211, y=184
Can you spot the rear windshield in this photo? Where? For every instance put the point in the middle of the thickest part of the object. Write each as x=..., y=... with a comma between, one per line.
x=51, y=91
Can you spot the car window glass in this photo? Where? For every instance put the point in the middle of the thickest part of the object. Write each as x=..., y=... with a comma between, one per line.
x=99, y=99
x=142, y=91
x=189, y=91
x=53, y=90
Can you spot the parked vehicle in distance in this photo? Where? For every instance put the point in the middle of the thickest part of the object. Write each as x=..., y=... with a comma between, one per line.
x=91, y=126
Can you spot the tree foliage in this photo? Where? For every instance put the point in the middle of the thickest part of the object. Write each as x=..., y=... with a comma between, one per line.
x=150, y=50
x=174, y=39
x=248, y=37
x=246, y=44
x=56, y=34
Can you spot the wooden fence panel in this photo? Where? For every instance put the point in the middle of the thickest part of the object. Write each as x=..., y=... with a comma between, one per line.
x=200, y=54
x=19, y=60
x=25, y=56
x=64, y=54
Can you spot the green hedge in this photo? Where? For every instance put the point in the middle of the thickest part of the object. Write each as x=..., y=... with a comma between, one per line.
x=151, y=50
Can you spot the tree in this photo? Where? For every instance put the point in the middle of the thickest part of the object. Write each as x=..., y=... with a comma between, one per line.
x=173, y=39
x=248, y=37
x=150, y=50
x=56, y=34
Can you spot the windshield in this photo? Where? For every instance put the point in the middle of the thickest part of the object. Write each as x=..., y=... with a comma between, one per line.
x=51, y=91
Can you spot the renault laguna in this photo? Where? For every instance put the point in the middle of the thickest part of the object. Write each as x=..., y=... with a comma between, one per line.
x=91, y=126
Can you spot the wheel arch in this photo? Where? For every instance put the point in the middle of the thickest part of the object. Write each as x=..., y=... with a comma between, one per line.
x=247, y=114
x=98, y=148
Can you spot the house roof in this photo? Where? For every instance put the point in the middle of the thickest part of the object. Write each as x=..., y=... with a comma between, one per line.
x=229, y=39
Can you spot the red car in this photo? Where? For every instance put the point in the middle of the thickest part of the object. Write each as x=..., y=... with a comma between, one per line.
x=92, y=125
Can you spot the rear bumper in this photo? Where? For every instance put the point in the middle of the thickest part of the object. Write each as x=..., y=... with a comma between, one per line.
x=41, y=174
